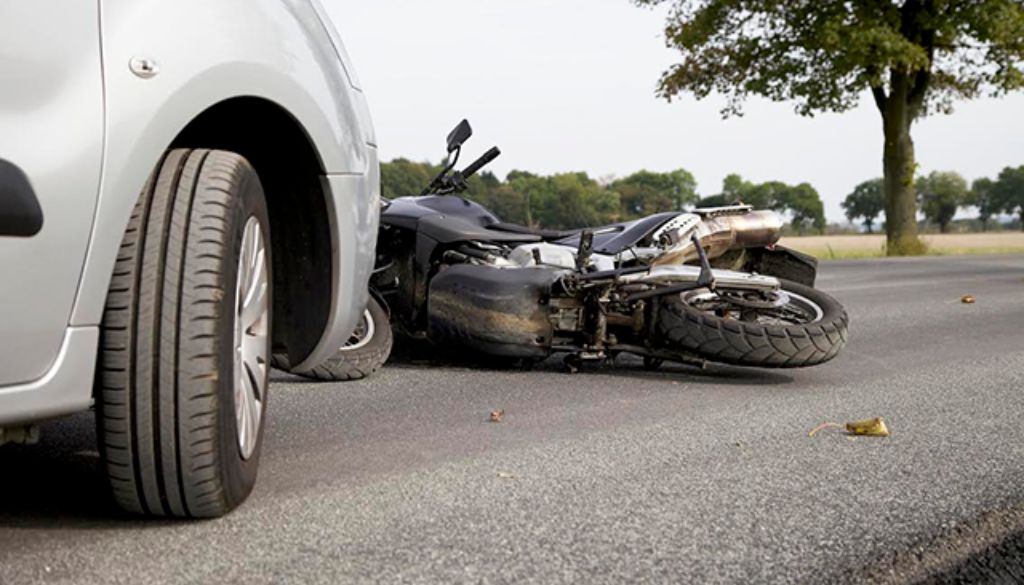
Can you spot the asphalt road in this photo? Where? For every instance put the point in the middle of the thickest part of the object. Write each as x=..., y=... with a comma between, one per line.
x=610, y=475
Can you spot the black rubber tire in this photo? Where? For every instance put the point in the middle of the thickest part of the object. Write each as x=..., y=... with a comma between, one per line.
x=735, y=342
x=355, y=364
x=165, y=396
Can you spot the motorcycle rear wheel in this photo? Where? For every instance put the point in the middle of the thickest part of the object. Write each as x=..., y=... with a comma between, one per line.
x=806, y=329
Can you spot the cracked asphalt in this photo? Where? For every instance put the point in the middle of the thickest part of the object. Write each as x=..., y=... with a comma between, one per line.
x=611, y=475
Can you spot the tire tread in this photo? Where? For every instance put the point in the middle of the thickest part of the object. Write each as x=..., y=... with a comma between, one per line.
x=159, y=364
x=749, y=344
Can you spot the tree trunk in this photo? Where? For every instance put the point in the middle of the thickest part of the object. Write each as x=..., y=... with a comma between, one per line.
x=869, y=225
x=899, y=166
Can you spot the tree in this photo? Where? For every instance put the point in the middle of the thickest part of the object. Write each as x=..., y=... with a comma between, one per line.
x=805, y=207
x=737, y=190
x=941, y=194
x=982, y=197
x=1009, y=192
x=867, y=201
x=914, y=56
x=567, y=200
x=644, y=192
x=801, y=202
x=532, y=189
x=402, y=177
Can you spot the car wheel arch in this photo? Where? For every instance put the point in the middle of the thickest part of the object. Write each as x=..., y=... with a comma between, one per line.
x=290, y=168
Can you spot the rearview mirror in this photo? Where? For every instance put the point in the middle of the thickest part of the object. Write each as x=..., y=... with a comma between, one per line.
x=460, y=135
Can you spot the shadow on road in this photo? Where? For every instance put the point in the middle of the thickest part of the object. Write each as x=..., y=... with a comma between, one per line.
x=58, y=483
x=625, y=365
x=411, y=354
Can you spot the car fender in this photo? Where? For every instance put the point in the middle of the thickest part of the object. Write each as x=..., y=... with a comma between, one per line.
x=275, y=50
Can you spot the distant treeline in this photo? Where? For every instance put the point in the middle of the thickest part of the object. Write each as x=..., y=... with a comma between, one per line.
x=571, y=200
x=941, y=194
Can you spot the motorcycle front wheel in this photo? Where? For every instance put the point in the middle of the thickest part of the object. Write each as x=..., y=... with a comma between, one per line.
x=365, y=352
x=795, y=327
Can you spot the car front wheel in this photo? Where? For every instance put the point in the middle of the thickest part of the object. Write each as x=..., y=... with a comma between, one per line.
x=184, y=358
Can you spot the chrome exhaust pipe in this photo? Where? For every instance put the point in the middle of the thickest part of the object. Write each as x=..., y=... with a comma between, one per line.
x=718, y=234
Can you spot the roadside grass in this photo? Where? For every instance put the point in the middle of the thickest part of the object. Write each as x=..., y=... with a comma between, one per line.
x=829, y=253
x=873, y=246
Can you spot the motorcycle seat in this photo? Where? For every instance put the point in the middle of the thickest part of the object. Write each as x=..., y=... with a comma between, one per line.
x=546, y=235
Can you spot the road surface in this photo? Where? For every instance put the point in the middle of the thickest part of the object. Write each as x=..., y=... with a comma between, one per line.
x=610, y=475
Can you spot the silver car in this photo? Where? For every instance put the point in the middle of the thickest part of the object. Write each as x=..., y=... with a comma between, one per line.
x=186, y=188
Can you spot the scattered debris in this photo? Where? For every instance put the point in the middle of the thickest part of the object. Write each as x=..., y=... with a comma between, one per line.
x=815, y=430
x=497, y=416
x=872, y=427
x=967, y=299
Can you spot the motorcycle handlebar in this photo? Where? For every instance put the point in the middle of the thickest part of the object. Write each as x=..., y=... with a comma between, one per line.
x=481, y=162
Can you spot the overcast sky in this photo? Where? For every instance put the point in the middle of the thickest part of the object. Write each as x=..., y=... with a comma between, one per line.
x=568, y=85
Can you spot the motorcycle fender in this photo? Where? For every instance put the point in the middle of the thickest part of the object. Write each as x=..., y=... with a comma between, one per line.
x=496, y=311
x=781, y=262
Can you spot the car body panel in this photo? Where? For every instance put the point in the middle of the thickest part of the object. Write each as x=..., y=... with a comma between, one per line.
x=66, y=387
x=268, y=53
x=51, y=116
x=350, y=248
x=204, y=53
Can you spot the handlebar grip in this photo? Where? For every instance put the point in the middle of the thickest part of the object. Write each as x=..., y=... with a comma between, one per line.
x=481, y=162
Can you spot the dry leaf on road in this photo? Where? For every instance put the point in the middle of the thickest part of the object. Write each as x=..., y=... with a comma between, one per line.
x=872, y=427
x=967, y=299
x=497, y=416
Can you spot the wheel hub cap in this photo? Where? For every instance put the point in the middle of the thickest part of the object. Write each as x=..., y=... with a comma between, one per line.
x=252, y=312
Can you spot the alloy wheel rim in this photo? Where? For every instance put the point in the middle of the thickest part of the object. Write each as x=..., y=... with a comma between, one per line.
x=363, y=333
x=791, y=309
x=252, y=312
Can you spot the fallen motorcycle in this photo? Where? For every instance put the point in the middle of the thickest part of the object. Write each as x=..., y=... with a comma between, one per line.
x=707, y=285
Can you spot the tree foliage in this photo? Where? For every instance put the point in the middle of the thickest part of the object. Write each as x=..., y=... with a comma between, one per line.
x=570, y=200
x=913, y=56
x=982, y=196
x=645, y=192
x=941, y=194
x=801, y=203
x=866, y=202
x=1008, y=192
x=402, y=177
x=823, y=54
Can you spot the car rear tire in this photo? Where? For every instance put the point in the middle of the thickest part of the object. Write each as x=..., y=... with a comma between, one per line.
x=183, y=364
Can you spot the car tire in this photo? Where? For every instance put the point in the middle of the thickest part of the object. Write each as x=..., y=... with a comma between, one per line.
x=185, y=339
